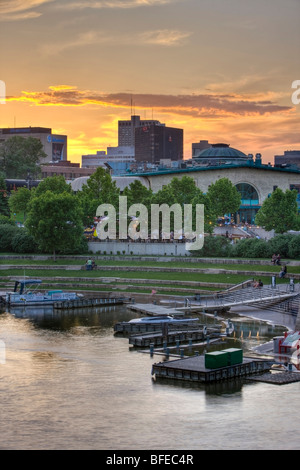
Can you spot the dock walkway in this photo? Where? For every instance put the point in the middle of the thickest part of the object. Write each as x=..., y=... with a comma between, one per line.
x=154, y=310
x=264, y=297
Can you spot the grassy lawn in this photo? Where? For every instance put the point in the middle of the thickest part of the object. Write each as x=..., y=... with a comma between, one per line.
x=268, y=268
x=163, y=276
x=139, y=280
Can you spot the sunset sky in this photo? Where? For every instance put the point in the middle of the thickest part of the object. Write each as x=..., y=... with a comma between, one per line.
x=222, y=70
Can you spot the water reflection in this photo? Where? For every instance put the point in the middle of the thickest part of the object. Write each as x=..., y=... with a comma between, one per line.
x=70, y=383
x=49, y=318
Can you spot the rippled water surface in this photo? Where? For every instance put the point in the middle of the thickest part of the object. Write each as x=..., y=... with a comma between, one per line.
x=69, y=383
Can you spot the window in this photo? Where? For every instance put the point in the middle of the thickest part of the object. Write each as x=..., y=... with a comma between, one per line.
x=248, y=194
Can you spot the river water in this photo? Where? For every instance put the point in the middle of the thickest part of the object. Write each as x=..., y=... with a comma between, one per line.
x=67, y=382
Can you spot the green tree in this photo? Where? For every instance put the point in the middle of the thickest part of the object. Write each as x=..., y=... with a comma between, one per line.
x=184, y=191
x=178, y=191
x=55, y=221
x=55, y=184
x=100, y=189
x=19, y=200
x=20, y=157
x=4, y=208
x=137, y=193
x=279, y=212
x=224, y=196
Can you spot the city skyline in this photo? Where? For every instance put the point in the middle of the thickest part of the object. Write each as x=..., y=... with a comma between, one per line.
x=221, y=71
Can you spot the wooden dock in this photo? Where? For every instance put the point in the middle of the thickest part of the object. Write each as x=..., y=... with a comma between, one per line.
x=193, y=369
x=157, y=339
x=154, y=310
x=88, y=302
x=144, y=327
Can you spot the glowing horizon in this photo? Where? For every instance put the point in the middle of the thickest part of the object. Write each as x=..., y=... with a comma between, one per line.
x=79, y=67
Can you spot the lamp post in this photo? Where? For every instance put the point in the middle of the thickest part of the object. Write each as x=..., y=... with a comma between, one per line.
x=28, y=178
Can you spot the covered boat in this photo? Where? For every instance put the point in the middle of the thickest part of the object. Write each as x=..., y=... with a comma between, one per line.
x=25, y=293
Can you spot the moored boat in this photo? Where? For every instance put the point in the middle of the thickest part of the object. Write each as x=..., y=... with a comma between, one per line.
x=25, y=293
x=163, y=319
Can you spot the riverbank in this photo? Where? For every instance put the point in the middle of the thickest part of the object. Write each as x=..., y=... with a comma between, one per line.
x=142, y=275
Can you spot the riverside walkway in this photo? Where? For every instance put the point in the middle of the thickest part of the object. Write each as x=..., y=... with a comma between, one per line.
x=264, y=297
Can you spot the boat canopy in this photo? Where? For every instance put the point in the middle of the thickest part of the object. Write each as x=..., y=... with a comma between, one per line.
x=24, y=282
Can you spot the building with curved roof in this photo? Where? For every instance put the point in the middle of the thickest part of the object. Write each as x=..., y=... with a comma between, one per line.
x=222, y=151
x=254, y=181
x=121, y=182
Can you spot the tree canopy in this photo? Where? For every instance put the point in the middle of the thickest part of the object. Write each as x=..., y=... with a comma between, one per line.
x=224, y=197
x=100, y=189
x=4, y=208
x=55, y=221
x=279, y=212
x=19, y=200
x=21, y=156
x=55, y=184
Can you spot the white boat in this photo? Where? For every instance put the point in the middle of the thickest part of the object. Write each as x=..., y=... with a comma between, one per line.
x=163, y=319
x=25, y=293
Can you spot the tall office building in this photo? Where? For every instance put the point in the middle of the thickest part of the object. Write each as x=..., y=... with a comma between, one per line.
x=126, y=130
x=156, y=142
x=290, y=158
x=199, y=146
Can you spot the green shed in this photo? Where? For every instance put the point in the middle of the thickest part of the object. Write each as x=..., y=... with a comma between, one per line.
x=216, y=359
x=235, y=356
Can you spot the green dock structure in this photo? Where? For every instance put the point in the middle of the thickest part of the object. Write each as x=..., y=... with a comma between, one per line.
x=194, y=369
x=223, y=358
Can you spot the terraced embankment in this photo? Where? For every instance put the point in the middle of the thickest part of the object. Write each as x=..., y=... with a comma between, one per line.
x=126, y=275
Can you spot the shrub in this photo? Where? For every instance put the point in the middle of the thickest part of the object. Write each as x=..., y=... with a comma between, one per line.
x=214, y=246
x=4, y=220
x=82, y=248
x=251, y=248
x=23, y=242
x=7, y=233
x=294, y=247
x=280, y=245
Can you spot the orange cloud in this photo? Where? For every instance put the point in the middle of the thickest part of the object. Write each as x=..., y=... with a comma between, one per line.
x=210, y=105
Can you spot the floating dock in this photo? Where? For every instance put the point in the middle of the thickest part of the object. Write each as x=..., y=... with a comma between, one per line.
x=155, y=310
x=144, y=327
x=193, y=369
x=277, y=378
x=172, y=338
x=86, y=302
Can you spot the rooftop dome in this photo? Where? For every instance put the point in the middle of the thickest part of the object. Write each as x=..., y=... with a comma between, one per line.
x=221, y=151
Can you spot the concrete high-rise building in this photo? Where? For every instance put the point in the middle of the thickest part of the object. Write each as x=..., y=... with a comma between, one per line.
x=54, y=145
x=156, y=142
x=126, y=130
x=114, y=154
x=290, y=158
x=199, y=146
